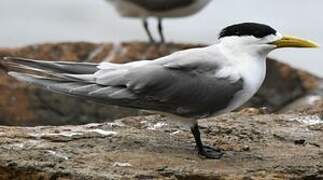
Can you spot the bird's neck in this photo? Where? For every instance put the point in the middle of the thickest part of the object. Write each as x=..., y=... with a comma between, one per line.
x=249, y=62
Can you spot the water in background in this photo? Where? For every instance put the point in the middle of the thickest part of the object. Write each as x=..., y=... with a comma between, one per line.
x=34, y=21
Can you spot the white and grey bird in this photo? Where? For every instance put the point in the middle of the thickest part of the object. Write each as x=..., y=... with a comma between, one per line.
x=187, y=85
x=159, y=9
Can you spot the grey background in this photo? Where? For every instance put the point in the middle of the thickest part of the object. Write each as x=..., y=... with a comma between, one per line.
x=25, y=22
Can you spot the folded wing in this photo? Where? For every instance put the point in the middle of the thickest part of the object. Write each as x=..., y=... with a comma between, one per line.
x=187, y=88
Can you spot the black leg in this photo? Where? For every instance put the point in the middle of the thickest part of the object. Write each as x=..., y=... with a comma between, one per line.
x=151, y=39
x=205, y=151
x=160, y=30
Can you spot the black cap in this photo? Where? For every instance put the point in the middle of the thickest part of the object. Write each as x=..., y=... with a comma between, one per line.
x=248, y=29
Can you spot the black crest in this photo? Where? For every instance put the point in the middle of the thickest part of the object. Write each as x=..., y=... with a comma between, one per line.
x=248, y=29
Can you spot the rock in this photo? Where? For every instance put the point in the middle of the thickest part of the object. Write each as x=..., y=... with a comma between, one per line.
x=29, y=106
x=259, y=146
x=283, y=85
x=298, y=104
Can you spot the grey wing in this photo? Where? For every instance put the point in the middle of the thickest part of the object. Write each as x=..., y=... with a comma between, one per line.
x=186, y=88
x=191, y=93
x=184, y=83
x=162, y=5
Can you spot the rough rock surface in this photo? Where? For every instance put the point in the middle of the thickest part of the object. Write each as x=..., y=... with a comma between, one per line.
x=29, y=106
x=256, y=145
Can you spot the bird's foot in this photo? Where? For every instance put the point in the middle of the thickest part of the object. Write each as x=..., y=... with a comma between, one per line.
x=210, y=153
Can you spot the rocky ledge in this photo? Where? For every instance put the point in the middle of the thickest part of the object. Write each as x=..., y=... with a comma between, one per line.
x=256, y=145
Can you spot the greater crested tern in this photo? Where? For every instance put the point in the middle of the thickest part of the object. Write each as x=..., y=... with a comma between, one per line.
x=188, y=85
x=157, y=8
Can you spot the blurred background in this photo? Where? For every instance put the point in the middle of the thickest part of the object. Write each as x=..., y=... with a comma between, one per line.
x=37, y=21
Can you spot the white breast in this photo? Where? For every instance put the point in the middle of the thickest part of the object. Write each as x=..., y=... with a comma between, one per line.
x=252, y=70
x=253, y=74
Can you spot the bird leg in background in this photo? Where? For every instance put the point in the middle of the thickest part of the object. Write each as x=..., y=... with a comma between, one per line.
x=160, y=30
x=206, y=151
x=151, y=39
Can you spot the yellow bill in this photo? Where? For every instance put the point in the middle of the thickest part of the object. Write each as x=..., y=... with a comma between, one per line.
x=291, y=41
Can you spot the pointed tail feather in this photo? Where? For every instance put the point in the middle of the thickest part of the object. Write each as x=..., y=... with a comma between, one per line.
x=56, y=77
x=44, y=82
x=83, y=90
x=68, y=87
x=54, y=66
x=64, y=71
